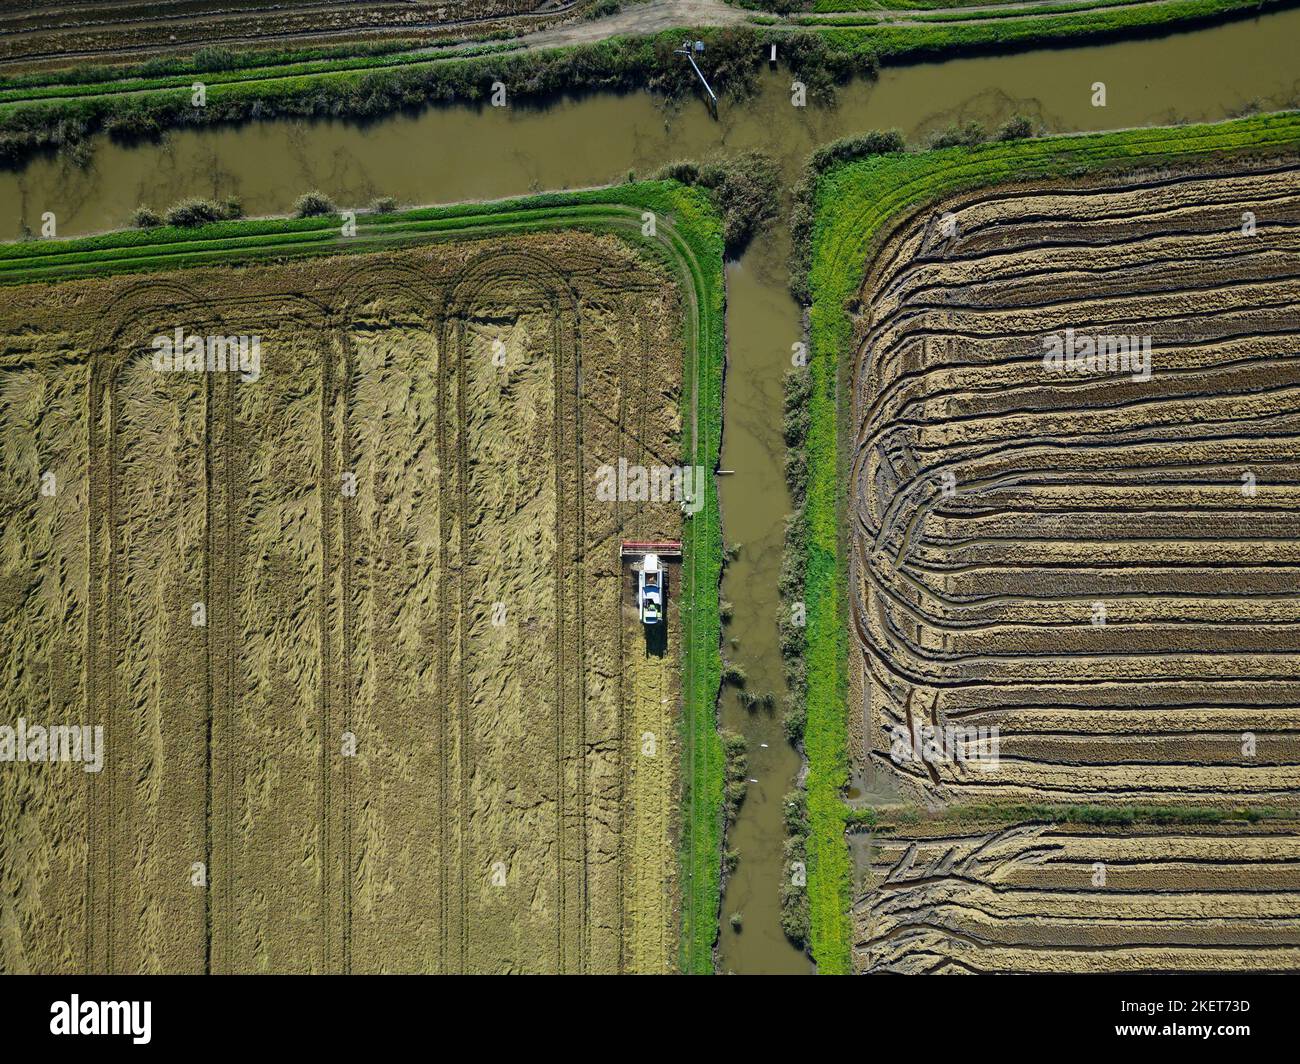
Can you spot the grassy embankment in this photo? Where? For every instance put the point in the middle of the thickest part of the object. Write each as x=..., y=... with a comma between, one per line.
x=939, y=33
x=886, y=7
x=864, y=12
x=855, y=203
x=61, y=110
x=688, y=243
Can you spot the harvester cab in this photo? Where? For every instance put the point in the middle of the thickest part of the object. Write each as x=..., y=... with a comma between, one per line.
x=650, y=590
x=647, y=560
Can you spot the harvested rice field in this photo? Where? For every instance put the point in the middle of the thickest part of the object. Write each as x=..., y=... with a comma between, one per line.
x=1099, y=561
x=374, y=692
x=1052, y=510
x=33, y=33
x=1036, y=898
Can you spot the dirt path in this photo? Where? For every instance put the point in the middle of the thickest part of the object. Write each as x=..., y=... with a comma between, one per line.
x=643, y=18
x=654, y=16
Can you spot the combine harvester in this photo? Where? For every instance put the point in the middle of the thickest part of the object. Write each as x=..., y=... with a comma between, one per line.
x=651, y=576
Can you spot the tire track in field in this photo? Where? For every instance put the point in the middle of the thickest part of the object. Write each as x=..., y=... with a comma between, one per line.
x=465, y=747
x=624, y=755
x=96, y=695
x=111, y=747
x=210, y=578
x=579, y=599
x=557, y=462
x=349, y=509
x=628, y=739
x=443, y=711
x=234, y=489
x=331, y=483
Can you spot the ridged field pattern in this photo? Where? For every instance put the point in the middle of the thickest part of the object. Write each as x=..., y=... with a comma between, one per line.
x=1102, y=565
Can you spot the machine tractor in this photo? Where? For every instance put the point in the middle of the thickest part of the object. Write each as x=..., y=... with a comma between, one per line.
x=651, y=576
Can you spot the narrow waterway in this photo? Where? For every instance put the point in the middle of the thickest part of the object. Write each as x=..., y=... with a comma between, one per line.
x=452, y=154
x=763, y=321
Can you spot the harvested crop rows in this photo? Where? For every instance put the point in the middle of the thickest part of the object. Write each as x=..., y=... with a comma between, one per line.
x=1102, y=567
x=393, y=541
x=1031, y=898
x=31, y=33
x=1096, y=560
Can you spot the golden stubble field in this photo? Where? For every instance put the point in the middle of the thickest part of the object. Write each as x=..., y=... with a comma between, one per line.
x=388, y=542
x=1101, y=563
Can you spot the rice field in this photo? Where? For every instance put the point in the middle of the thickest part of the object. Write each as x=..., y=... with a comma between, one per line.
x=1101, y=564
x=373, y=689
x=1052, y=546
x=64, y=34
x=1036, y=898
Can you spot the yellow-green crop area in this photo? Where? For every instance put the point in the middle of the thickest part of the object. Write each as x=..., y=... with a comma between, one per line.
x=307, y=522
x=1080, y=563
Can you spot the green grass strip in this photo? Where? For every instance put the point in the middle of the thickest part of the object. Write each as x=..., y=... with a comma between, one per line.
x=945, y=13
x=902, y=9
x=856, y=203
x=182, y=83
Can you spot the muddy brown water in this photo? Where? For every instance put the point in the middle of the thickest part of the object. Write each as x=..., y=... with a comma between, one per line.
x=455, y=154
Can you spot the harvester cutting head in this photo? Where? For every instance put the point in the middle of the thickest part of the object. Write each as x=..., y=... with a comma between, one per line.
x=666, y=548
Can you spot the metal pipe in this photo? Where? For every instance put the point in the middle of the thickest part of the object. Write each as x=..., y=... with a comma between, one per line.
x=713, y=98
